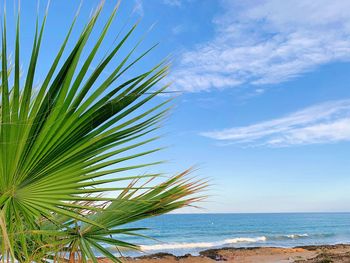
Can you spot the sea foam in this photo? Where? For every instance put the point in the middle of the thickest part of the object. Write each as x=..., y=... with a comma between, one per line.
x=297, y=235
x=170, y=246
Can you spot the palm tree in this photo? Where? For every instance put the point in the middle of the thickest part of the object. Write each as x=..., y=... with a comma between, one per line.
x=64, y=190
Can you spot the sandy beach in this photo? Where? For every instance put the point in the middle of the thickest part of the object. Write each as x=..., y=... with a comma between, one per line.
x=314, y=254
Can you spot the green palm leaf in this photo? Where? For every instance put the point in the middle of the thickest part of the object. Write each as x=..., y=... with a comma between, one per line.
x=62, y=148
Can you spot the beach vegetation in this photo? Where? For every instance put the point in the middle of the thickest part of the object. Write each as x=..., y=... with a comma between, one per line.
x=73, y=156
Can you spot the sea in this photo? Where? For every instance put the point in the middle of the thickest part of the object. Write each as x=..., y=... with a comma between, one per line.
x=182, y=234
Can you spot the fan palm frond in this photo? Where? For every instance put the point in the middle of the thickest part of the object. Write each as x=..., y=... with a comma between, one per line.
x=64, y=150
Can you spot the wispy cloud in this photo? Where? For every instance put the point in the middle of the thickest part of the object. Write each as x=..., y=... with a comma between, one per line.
x=172, y=2
x=266, y=42
x=323, y=123
x=138, y=8
x=178, y=29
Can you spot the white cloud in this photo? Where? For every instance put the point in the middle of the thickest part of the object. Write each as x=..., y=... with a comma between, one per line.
x=266, y=42
x=323, y=123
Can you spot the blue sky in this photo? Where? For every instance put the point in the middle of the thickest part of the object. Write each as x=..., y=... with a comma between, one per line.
x=264, y=110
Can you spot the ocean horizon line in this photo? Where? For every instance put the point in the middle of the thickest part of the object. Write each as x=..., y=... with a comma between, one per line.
x=255, y=213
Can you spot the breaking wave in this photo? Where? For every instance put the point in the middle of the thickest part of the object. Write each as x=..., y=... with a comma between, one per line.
x=225, y=242
x=297, y=235
x=203, y=244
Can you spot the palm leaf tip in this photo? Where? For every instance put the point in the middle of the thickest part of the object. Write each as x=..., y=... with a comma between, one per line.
x=66, y=148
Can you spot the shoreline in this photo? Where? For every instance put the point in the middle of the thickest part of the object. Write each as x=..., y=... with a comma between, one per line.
x=299, y=254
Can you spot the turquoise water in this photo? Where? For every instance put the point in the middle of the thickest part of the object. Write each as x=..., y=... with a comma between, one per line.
x=190, y=233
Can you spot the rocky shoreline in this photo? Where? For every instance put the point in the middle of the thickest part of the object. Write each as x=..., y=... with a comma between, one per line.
x=311, y=254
